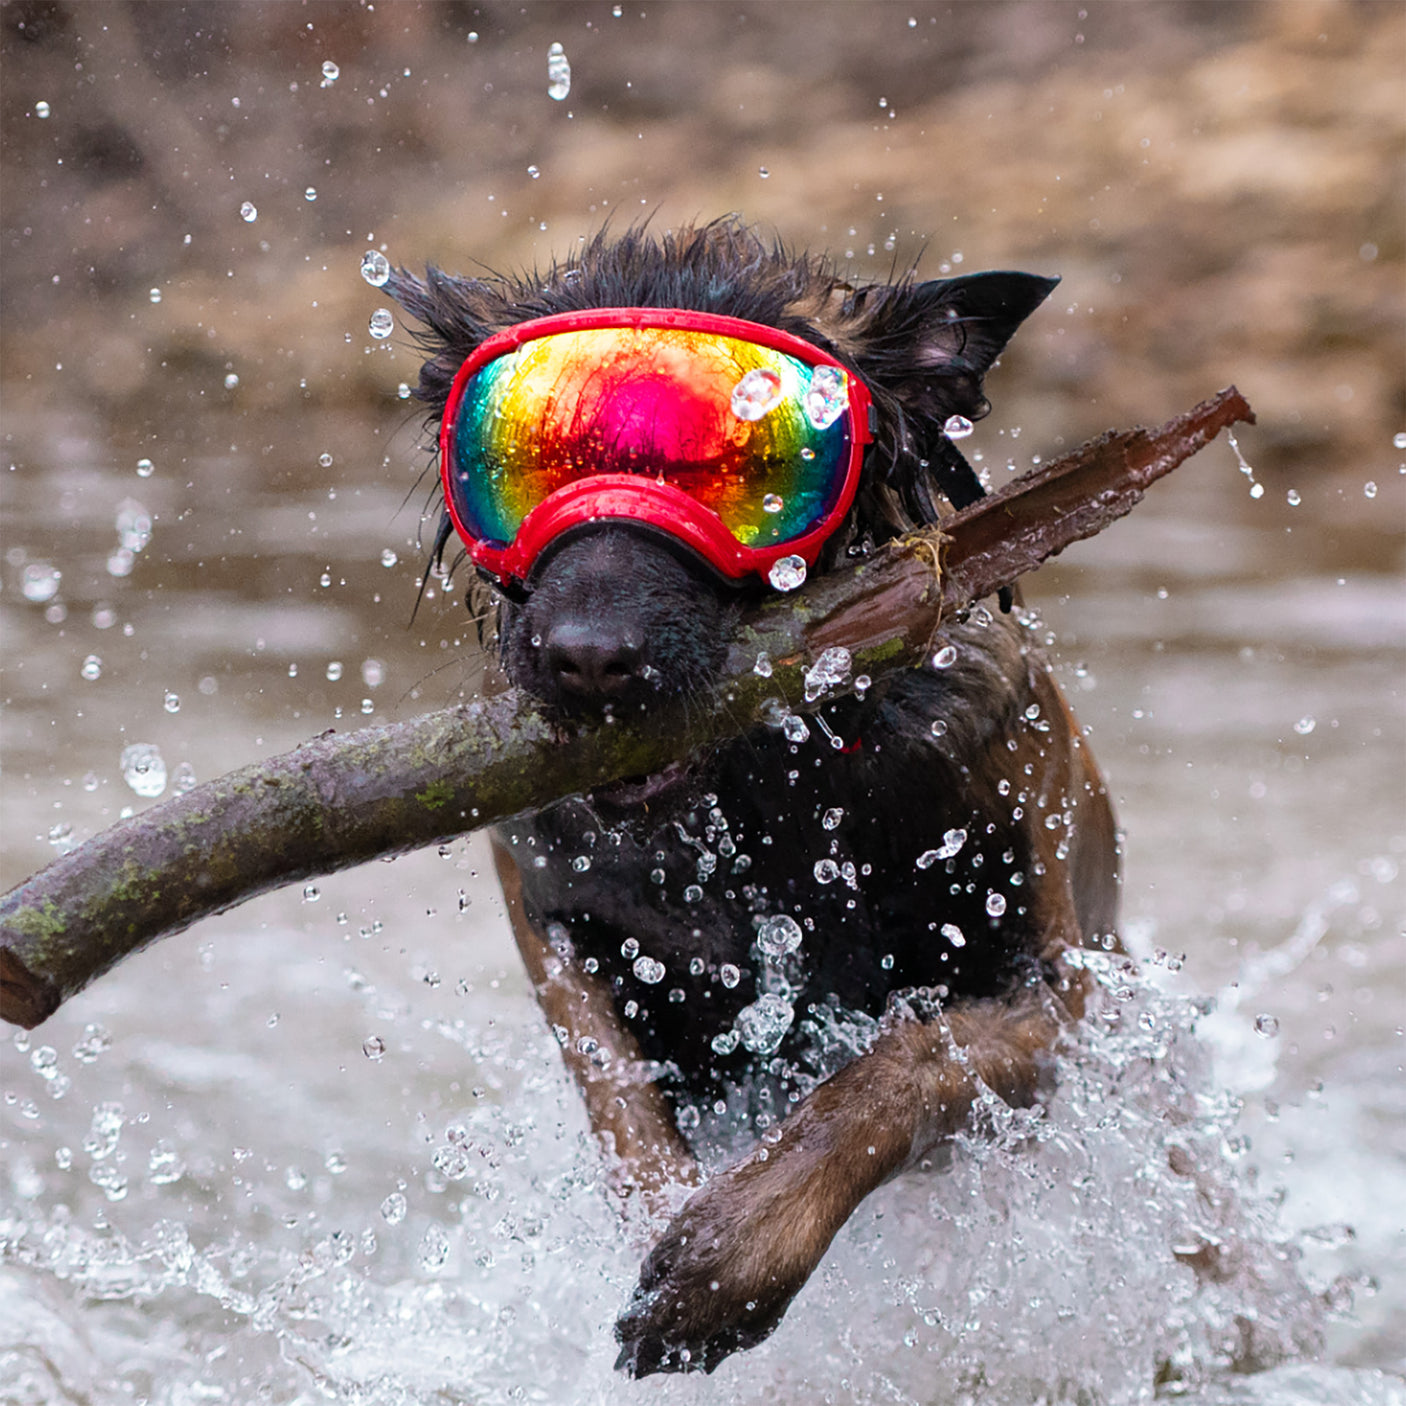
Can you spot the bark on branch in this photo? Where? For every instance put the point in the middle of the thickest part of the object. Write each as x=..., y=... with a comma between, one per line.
x=342, y=799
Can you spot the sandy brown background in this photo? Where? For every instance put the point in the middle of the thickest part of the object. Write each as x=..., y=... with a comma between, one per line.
x=1219, y=184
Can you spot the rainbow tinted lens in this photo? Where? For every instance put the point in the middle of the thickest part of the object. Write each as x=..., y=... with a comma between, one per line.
x=758, y=437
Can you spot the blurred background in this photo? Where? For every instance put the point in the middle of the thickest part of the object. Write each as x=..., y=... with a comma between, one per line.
x=212, y=538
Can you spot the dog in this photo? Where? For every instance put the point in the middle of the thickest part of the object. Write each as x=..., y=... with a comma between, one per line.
x=783, y=972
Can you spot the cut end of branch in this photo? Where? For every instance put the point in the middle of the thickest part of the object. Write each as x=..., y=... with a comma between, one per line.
x=25, y=999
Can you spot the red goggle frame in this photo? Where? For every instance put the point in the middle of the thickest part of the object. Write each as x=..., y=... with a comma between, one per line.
x=740, y=441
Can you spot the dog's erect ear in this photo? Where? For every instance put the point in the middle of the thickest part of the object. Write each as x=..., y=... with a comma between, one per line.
x=928, y=345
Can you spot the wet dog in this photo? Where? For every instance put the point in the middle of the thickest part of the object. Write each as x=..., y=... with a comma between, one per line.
x=788, y=970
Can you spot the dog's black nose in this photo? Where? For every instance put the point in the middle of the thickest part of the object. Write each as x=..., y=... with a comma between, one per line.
x=592, y=660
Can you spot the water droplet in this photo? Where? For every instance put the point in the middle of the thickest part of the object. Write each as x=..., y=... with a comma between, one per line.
x=335, y=1162
x=957, y=427
x=183, y=778
x=558, y=73
x=1305, y=725
x=143, y=769
x=374, y=1048
x=729, y=975
x=154, y=295
x=382, y=324
x=388, y=558
x=109, y=1180
x=95, y=1041
x=434, y=1248
x=758, y=392
x=832, y=817
x=787, y=573
x=954, y=934
x=1293, y=497
x=145, y=468
x=41, y=108
x=794, y=727
x=1267, y=1026
x=1399, y=440
x=310, y=193
x=248, y=212
x=393, y=1208
x=311, y=893
x=171, y=703
x=133, y=525
x=945, y=658
x=334, y=671
x=39, y=581
x=693, y=894
x=779, y=936
x=375, y=267
x=534, y=172
x=92, y=668
x=830, y=669
x=826, y=871
x=581, y=863
x=330, y=73
x=1369, y=489
x=995, y=904
x=763, y=1025
x=827, y=397
x=1257, y=490
x=373, y=673
x=104, y=1130
x=763, y=172
x=725, y=1043
x=773, y=503
x=164, y=1164
x=648, y=970
x=232, y=382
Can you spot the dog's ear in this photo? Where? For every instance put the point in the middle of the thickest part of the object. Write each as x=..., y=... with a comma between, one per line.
x=928, y=345
x=457, y=314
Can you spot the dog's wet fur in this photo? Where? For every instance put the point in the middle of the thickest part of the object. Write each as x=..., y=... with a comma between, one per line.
x=941, y=842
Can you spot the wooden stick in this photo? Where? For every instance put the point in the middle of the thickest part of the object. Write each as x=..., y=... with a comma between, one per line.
x=342, y=799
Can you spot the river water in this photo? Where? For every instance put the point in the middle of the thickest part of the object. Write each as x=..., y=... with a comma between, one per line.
x=321, y=1148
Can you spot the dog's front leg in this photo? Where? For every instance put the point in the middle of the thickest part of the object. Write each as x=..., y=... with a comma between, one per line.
x=645, y=1155
x=733, y=1258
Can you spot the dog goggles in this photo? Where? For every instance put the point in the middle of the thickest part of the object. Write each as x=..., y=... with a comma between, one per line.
x=738, y=440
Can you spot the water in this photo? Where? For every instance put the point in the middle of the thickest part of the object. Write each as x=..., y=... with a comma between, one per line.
x=326, y=1150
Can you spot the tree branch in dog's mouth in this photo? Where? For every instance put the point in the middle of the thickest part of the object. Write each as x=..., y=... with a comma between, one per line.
x=343, y=799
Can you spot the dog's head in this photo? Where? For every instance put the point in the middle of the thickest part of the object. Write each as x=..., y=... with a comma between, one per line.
x=610, y=474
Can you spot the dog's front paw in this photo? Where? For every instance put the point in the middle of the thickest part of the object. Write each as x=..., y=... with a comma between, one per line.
x=723, y=1273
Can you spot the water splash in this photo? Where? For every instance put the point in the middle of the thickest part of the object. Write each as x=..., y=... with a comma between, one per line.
x=1124, y=1202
